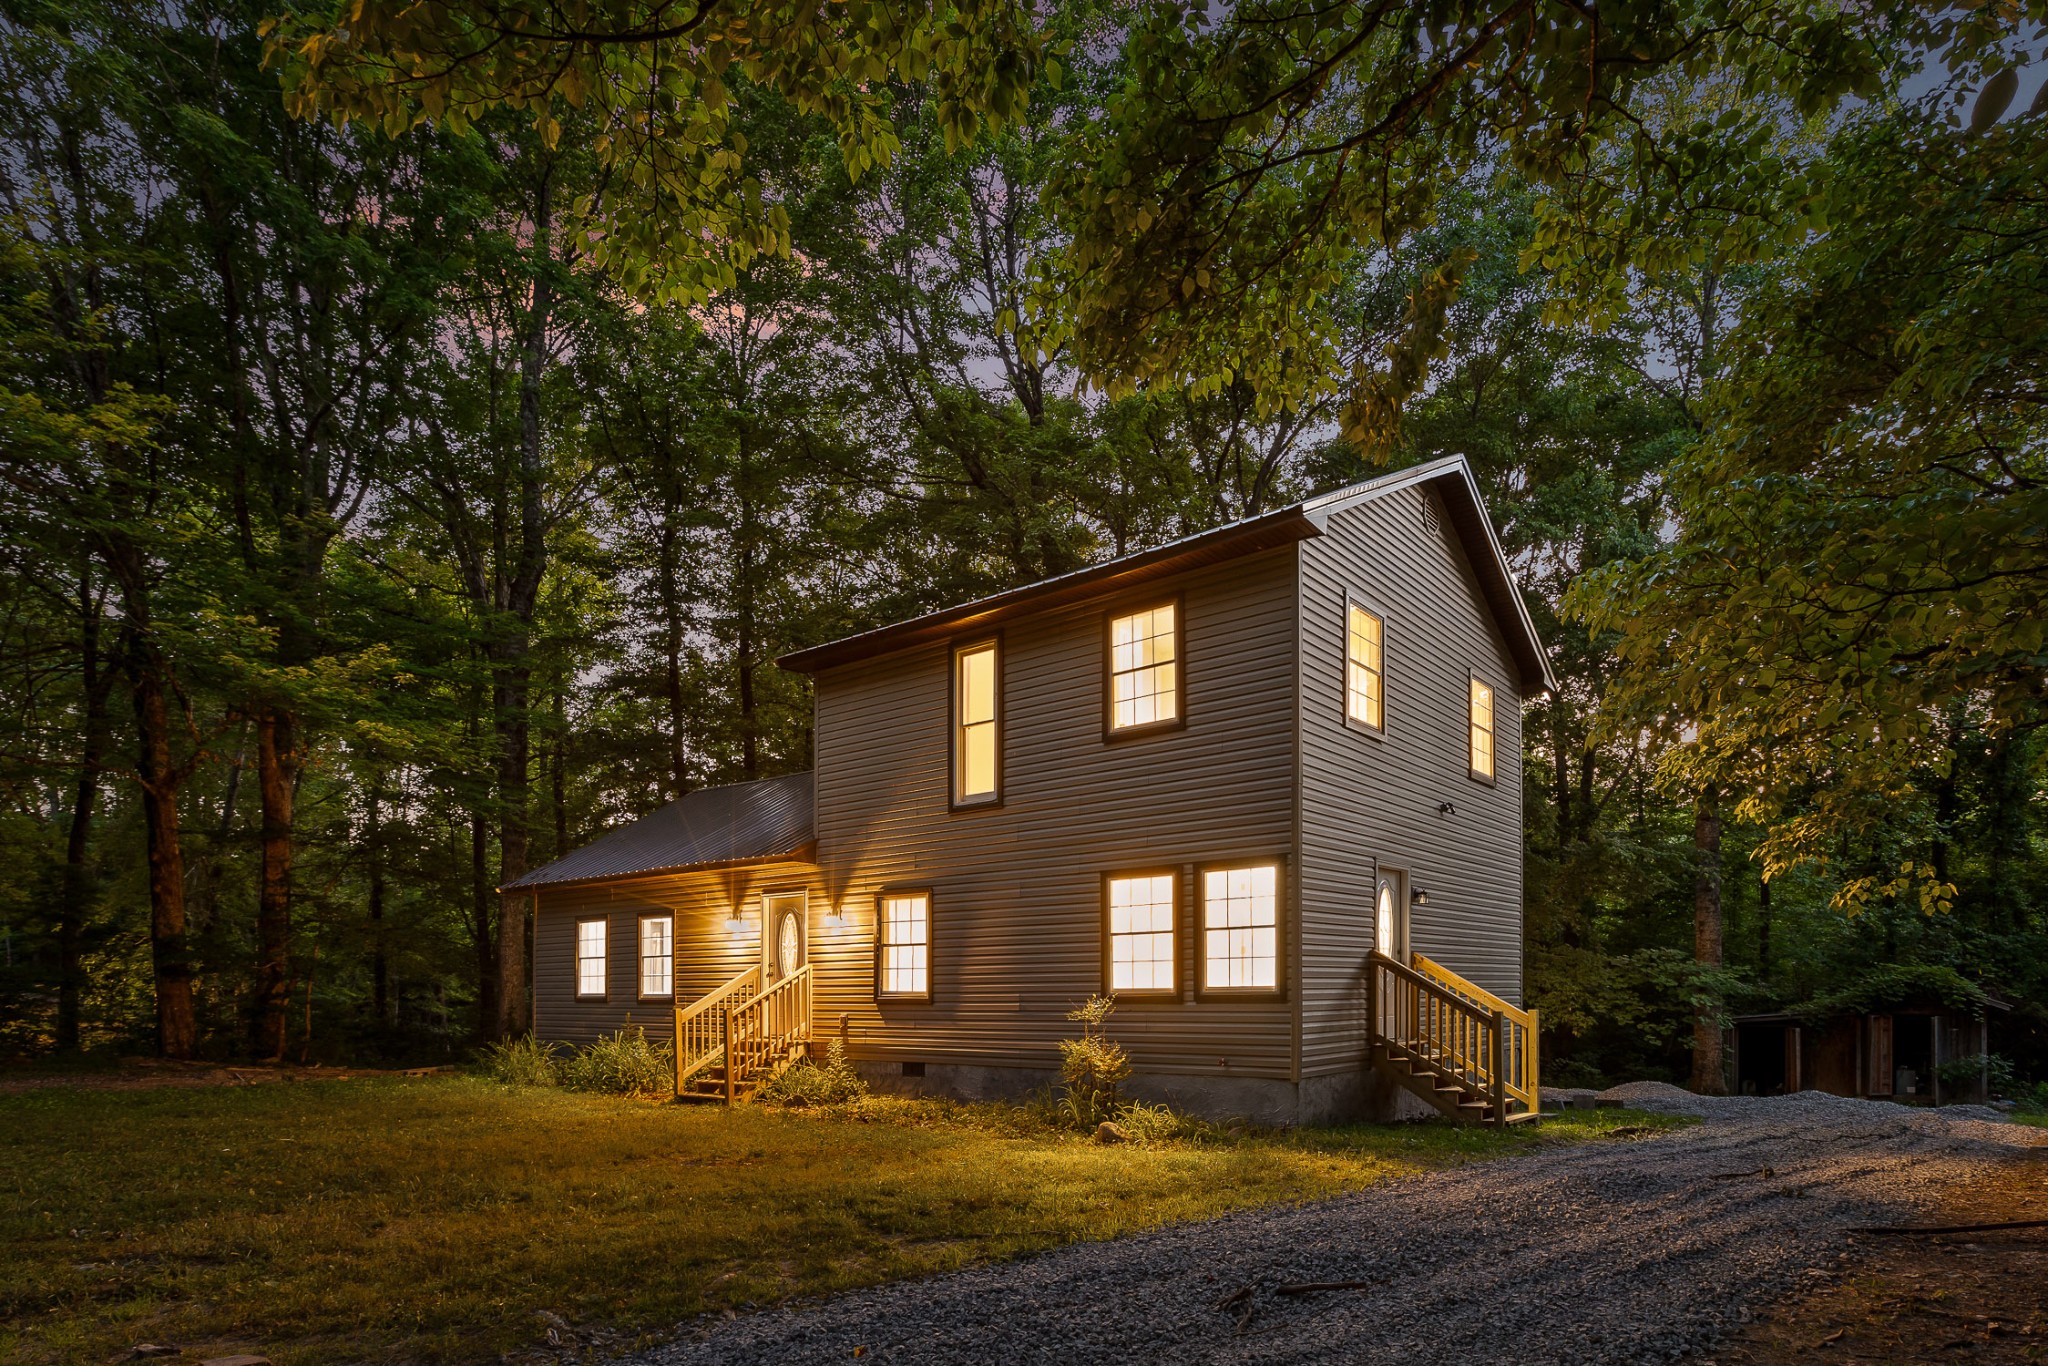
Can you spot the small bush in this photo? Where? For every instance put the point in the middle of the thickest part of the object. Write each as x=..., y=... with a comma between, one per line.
x=1092, y=1067
x=623, y=1064
x=524, y=1061
x=1157, y=1123
x=807, y=1083
x=1963, y=1074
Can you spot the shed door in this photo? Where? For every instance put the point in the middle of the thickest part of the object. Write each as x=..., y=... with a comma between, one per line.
x=1880, y=1079
x=785, y=935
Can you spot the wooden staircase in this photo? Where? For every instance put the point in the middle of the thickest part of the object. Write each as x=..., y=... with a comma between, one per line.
x=1454, y=1044
x=733, y=1041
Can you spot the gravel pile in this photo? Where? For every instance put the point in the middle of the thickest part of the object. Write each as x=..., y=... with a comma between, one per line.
x=1641, y=1250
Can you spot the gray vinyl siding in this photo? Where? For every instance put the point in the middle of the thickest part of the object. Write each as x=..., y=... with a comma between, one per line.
x=708, y=950
x=1369, y=799
x=1016, y=888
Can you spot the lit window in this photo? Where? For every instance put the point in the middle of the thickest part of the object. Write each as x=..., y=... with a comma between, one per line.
x=1364, y=680
x=977, y=743
x=657, y=955
x=1144, y=668
x=590, y=957
x=1482, y=730
x=1141, y=955
x=903, y=940
x=1241, y=928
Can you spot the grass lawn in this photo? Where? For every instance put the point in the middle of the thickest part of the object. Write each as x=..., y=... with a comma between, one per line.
x=435, y=1218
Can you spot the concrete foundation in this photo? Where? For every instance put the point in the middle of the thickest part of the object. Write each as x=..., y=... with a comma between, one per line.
x=1340, y=1098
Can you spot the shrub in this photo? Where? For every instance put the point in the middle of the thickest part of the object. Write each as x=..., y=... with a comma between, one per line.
x=1092, y=1067
x=1158, y=1122
x=835, y=1083
x=524, y=1061
x=623, y=1064
x=1962, y=1074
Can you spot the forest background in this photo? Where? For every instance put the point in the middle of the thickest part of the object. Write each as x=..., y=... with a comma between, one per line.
x=371, y=537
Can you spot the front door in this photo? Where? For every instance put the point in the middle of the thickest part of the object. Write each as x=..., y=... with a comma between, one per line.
x=1390, y=919
x=785, y=935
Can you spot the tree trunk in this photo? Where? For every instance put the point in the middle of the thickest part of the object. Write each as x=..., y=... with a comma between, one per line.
x=743, y=651
x=1561, y=761
x=481, y=924
x=1763, y=926
x=672, y=659
x=1708, y=1076
x=274, y=781
x=76, y=894
x=380, y=961
x=170, y=954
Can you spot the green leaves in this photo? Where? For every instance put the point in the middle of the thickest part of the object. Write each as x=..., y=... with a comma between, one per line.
x=656, y=79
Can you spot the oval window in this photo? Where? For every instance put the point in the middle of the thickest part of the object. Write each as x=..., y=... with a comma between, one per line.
x=1384, y=941
x=789, y=945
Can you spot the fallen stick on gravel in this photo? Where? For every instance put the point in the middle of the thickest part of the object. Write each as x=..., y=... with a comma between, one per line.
x=1764, y=1172
x=1311, y=1287
x=1950, y=1228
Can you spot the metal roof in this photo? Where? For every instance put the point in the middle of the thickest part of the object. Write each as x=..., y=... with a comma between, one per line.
x=713, y=827
x=1450, y=475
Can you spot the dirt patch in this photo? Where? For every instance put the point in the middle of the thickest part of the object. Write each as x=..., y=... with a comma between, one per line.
x=1913, y=1299
x=150, y=1074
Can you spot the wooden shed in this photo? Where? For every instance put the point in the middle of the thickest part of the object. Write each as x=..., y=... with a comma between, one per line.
x=1895, y=1053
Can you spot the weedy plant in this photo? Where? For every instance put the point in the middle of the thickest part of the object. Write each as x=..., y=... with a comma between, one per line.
x=524, y=1061
x=834, y=1083
x=1092, y=1067
x=627, y=1063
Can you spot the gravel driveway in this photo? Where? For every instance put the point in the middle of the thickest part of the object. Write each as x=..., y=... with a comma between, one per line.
x=1638, y=1250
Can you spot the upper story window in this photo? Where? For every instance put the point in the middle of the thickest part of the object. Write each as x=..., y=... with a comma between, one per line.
x=1144, y=669
x=1365, y=680
x=1482, y=730
x=590, y=936
x=1141, y=933
x=1241, y=928
x=903, y=946
x=977, y=724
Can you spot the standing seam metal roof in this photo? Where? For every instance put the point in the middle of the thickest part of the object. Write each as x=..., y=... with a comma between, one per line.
x=713, y=826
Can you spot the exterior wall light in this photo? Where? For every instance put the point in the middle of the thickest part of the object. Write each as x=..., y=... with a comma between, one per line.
x=1446, y=809
x=1418, y=897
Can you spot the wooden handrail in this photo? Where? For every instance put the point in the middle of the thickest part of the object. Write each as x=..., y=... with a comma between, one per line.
x=1457, y=1028
x=761, y=1032
x=1521, y=1036
x=700, y=1026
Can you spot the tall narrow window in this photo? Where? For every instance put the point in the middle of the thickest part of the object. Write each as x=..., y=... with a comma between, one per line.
x=590, y=958
x=1241, y=928
x=903, y=945
x=977, y=730
x=1365, y=697
x=1482, y=730
x=657, y=955
x=1141, y=934
x=1144, y=668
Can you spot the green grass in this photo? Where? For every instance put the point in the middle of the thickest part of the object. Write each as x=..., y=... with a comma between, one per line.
x=432, y=1219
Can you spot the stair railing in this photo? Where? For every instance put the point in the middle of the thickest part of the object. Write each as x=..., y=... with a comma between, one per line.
x=700, y=1026
x=1449, y=1026
x=1520, y=1033
x=763, y=1032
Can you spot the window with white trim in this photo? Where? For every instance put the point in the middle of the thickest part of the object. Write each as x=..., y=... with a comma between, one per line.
x=977, y=730
x=657, y=955
x=1482, y=730
x=1241, y=928
x=1144, y=668
x=1141, y=934
x=1365, y=698
x=590, y=937
x=903, y=945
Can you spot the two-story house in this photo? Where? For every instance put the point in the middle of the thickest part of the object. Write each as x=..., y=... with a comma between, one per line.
x=1212, y=778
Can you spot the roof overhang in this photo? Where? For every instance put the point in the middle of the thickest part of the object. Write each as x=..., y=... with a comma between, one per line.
x=803, y=853
x=1451, y=476
x=1250, y=536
